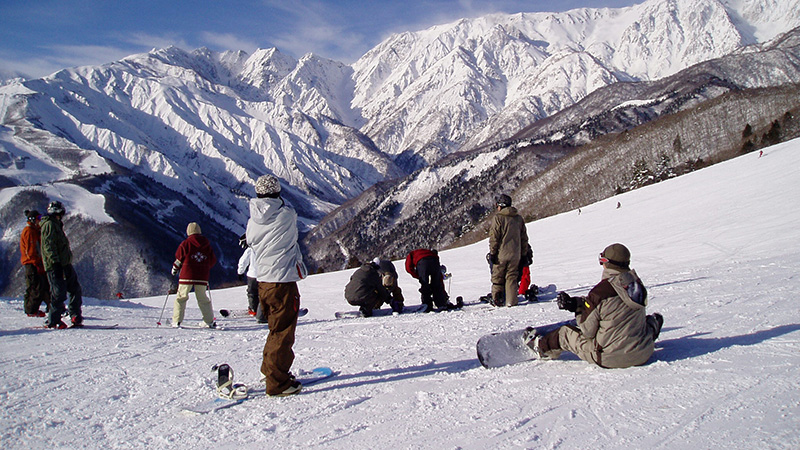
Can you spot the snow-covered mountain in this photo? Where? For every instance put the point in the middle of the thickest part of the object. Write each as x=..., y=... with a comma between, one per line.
x=695, y=117
x=716, y=250
x=172, y=136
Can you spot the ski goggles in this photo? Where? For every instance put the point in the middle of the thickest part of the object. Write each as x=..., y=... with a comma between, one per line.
x=602, y=259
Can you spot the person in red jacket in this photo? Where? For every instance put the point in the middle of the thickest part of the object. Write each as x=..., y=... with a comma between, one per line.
x=37, y=289
x=423, y=264
x=194, y=259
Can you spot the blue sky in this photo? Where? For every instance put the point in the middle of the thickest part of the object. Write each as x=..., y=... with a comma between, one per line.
x=39, y=37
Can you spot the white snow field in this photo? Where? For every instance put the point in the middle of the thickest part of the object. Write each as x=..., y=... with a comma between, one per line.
x=717, y=248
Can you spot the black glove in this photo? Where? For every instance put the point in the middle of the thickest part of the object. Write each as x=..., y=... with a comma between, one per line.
x=491, y=259
x=566, y=302
x=243, y=241
x=241, y=277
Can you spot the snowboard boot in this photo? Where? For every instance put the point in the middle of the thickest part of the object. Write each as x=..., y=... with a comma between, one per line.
x=77, y=321
x=293, y=388
x=659, y=319
x=531, y=293
x=60, y=325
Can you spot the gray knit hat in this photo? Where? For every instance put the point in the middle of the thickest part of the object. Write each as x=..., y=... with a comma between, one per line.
x=268, y=185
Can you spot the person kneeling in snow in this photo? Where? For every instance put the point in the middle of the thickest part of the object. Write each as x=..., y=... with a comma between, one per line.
x=365, y=289
x=613, y=329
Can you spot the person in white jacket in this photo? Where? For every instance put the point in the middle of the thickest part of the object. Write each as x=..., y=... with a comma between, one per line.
x=272, y=234
x=247, y=271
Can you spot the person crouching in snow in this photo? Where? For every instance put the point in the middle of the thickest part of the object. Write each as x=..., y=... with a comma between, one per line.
x=389, y=278
x=365, y=289
x=613, y=329
x=194, y=259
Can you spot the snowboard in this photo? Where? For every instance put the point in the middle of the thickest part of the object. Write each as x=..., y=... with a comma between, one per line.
x=96, y=327
x=243, y=313
x=508, y=347
x=379, y=312
x=307, y=378
x=85, y=327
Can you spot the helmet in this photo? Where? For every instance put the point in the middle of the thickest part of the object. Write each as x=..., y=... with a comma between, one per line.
x=56, y=208
x=617, y=255
x=503, y=201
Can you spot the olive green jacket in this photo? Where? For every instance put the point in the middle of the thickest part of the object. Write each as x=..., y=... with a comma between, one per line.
x=55, y=245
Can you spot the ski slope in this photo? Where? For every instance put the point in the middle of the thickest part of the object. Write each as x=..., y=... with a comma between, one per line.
x=717, y=249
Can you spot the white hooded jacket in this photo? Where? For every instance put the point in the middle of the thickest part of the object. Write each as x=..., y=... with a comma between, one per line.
x=272, y=234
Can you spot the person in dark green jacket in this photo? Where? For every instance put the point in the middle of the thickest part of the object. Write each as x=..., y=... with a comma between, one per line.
x=57, y=258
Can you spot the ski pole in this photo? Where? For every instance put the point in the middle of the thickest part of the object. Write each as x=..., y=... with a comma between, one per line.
x=163, y=308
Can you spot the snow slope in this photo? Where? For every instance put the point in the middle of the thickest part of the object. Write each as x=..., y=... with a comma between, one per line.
x=717, y=249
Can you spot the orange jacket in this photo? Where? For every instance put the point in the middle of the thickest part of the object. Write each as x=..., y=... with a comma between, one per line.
x=29, y=246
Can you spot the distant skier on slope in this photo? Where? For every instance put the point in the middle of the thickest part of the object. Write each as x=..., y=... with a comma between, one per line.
x=365, y=289
x=508, y=239
x=272, y=234
x=613, y=329
x=37, y=289
x=57, y=258
x=194, y=260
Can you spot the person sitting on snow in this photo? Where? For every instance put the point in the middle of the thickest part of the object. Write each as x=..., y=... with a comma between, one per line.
x=613, y=330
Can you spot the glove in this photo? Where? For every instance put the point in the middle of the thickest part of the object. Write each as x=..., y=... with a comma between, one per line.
x=243, y=241
x=174, y=271
x=241, y=277
x=491, y=259
x=566, y=302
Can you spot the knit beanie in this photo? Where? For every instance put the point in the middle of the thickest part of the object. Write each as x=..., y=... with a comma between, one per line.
x=193, y=228
x=268, y=186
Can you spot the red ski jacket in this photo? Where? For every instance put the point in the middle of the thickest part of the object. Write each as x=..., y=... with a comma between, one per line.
x=194, y=258
x=415, y=256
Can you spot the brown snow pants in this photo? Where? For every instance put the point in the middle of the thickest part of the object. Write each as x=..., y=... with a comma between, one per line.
x=282, y=300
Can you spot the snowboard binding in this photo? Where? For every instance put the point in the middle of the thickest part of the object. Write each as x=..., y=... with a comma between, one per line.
x=225, y=387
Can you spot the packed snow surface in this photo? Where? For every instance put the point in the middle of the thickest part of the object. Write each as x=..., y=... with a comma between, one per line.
x=717, y=249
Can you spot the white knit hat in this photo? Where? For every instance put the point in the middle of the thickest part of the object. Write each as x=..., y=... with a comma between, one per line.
x=267, y=185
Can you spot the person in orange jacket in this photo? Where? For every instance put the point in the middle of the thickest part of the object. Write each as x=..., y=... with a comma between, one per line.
x=37, y=289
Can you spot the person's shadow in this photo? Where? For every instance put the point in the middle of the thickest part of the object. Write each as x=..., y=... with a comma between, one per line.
x=695, y=345
x=400, y=373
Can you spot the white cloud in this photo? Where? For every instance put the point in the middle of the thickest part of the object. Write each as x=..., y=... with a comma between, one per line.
x=227, y=41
